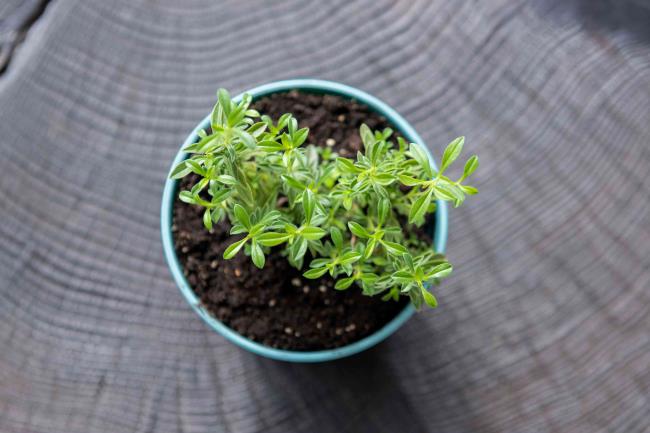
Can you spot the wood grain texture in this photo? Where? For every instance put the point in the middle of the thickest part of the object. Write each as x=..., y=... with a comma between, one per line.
x=16, y=18
x=543, y=328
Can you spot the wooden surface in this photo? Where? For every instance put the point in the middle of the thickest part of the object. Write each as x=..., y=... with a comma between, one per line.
x=543, y=328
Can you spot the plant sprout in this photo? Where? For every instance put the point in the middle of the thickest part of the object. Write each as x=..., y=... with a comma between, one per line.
x=354, y=219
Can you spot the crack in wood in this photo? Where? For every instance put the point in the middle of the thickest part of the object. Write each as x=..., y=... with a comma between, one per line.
x=15, y=26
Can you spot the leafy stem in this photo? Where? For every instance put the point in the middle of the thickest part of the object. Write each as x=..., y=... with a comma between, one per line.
x=342, y=214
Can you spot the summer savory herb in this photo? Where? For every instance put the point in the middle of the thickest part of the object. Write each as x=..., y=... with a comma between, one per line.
x=342, y=215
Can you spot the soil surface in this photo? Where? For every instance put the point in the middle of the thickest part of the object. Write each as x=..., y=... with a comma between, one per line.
x=275, y=306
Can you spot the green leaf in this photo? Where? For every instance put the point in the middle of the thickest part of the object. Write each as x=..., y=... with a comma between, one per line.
x=402, y=277
x=207, y=219
x=256, y=229
x=421, y=156
x=319, y=263
x=236, y=115
x=181, y=170
x=420, y=206
x=358, y=230
x=451, y=153
x=308, y=204
x=349, y=258
x=470, y=166
x=440, y=271
x=346, y=165
x=429, y=298
x=410, y=181
x=380, y=190
x=337, y=237
x=383, y=208
x=449, y=192
x=257, y=255
x=217, y=215
x=270, y=146
x=200, y=185
x=227, y=179
x=293, y=182
x=203, y=144
x=215, y=115
x=344, y=283
x=347, y=202
x=195, y=167
x=242, y=216
x=283, y=120
x=370, y=248
x=394, y=230
x=271, y=239
x=292, y=125
x=367, y=137
x=315, y=273
x=469, y=190
x=238, y=229
x=408, y=259
x=290, y=229
x=285, y=139
x=246, y=100
x=224, y=100
x=384, y=179
x=298, y=249
x=369, y=277
x=313, y=233
x=415, y=296
x=401, y=143
x=219, y=195
x=256, y=129
x=233, y=249
x=186, y=197
x=271, y=217
x=394, y=248
x=245, y=137
x=300, y=136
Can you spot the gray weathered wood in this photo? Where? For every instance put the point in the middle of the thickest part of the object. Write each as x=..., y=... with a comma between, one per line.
x=16, y=17
x=543, y=328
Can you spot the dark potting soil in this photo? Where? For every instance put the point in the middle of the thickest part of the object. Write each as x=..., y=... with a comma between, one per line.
x=275, y=306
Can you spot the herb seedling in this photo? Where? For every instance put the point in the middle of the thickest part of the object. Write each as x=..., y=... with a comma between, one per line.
x=343, y=215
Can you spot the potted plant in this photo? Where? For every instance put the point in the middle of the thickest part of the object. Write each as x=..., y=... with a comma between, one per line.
x=304, y=245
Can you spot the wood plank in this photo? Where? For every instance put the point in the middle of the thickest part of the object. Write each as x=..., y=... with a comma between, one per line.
x=544, y=327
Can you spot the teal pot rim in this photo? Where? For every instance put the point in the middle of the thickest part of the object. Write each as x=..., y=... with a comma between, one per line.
x=314, y=86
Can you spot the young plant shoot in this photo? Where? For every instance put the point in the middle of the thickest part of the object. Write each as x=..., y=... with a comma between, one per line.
x=342, y=216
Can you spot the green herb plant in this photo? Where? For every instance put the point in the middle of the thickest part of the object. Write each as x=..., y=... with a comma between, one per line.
x=353, y=219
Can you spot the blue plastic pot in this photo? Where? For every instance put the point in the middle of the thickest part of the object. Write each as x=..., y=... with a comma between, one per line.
x=171, y=189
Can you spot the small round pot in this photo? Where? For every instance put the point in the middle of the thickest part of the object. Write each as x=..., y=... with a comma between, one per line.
x=171, y=189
